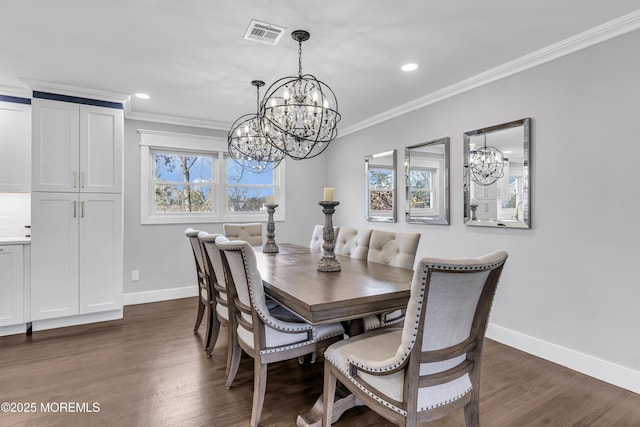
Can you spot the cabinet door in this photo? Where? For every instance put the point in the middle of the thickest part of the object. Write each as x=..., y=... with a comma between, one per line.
x=55, y=146
x=101, y=137
x=15, y=146
x=54, y=255
x=100, y=252
x=11, y=285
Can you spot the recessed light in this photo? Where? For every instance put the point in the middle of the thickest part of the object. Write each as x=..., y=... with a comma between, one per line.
x=142, y=96
x=409, y=67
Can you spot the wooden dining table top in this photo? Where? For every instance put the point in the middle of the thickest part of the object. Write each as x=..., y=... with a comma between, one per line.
x=360, y=289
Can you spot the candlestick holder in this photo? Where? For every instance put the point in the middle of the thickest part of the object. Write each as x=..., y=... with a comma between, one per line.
x=270, y=247
x=328, y=261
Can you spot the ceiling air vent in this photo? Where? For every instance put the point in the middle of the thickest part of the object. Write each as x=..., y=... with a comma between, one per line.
x=264, y=33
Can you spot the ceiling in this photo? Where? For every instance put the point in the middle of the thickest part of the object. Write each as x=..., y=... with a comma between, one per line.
x=190, y=56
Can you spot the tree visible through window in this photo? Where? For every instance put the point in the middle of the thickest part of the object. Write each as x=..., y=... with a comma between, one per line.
x=183, y=183
x=246, y=191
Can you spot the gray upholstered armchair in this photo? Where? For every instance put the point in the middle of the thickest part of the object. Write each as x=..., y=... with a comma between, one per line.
x=260, y=334
x=431, y=367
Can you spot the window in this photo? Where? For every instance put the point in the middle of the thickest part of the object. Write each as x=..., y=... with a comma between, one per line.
x=182, y=182
x=421, y=188
x=380, y=190
x=191, y=179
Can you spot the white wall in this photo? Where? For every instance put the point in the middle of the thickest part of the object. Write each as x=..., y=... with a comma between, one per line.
x=570, y=290
x=161, y=253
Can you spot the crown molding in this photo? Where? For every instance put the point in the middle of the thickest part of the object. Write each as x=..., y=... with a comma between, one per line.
x=181, y=121
x=18, y=92
x=81, y=92
x=599, y=34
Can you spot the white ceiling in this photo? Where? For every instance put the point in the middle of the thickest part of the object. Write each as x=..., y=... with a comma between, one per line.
x=190, y=56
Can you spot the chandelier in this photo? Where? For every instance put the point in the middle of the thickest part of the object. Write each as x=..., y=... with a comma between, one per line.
x=247, y=144
x=486, y=164
x=300, y=114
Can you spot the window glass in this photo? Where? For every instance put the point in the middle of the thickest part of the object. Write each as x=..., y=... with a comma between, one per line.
x=421, y=188
x=182, y=183
x=246, y=191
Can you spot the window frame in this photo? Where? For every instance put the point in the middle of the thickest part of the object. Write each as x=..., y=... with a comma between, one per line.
x=157, y=141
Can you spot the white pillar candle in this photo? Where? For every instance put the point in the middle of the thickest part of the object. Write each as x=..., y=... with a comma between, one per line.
x=270, y=200
x=328, y=194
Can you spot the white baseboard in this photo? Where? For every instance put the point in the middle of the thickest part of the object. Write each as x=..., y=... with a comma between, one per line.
x=597, y=368
x=160, y=295
x=80, y=319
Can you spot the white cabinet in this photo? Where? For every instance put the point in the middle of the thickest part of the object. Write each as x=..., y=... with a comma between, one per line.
x=11, y=285
x=76, y=147
x=76, y=212
x=15, y=147
x=76, y=254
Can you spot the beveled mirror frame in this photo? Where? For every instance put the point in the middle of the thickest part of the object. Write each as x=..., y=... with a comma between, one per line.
x=386, y=160
x=505, y=203
x=436, y=196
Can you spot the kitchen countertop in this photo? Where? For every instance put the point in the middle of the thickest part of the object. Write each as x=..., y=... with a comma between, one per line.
x=15, y=240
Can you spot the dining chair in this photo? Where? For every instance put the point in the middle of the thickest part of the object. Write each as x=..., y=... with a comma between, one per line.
x=213, y=261
x=206, y=299
x=431, y=367
x=353, y=242
x=317, y=237
x=249, y=232
x=396, y=249
x=259, y=334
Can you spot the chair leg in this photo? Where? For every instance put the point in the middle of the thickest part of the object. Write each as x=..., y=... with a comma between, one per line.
x=200, y=315
x=213, y=331
x=259, y=388
x=328, y=394
x=233, y=360
x=472, y=413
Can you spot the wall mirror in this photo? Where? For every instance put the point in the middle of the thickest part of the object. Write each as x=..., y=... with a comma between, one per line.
x=497, y=169
x=426, y=171
x=380, y=183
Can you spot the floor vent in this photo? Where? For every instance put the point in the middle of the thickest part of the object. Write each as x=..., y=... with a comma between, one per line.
x=264, y=33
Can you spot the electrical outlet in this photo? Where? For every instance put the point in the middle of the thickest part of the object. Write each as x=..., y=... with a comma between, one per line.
x=135, y=275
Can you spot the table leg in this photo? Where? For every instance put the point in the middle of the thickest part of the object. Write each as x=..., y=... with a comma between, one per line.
x=313, y=417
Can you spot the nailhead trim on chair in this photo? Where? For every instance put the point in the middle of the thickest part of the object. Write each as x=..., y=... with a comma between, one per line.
x=406, y=351
x=289, y=347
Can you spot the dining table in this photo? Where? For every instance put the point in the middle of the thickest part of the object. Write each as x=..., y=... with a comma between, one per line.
x=358, y=290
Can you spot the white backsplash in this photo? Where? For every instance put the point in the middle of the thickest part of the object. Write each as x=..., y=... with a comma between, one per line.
x=15, y=213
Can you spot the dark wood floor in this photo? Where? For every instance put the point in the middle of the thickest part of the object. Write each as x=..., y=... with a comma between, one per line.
x=149, y=370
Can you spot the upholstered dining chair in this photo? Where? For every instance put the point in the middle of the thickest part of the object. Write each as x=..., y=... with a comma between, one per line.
x=431, y=367
x=352, y=242
x=262, y=336
x=213, y=262
x=250, y=232
x=206, y=299
x=399, y=250
x=317, y=237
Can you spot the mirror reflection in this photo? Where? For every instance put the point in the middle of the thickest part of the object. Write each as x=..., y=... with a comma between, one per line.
x=427, y=182
x=497, y=175
x=380, y=181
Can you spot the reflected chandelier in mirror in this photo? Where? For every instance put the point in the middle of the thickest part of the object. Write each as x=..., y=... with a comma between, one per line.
x=427, y=182
x=380, y=186
x=497, y=175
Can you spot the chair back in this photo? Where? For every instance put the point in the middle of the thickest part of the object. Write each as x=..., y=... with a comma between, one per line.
x=397, y=249
x=245, y=286
x=445, y=324
x=317, y=237
x=198, y=255
x=353, y=242
x=250, y=232
x=217, y=276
